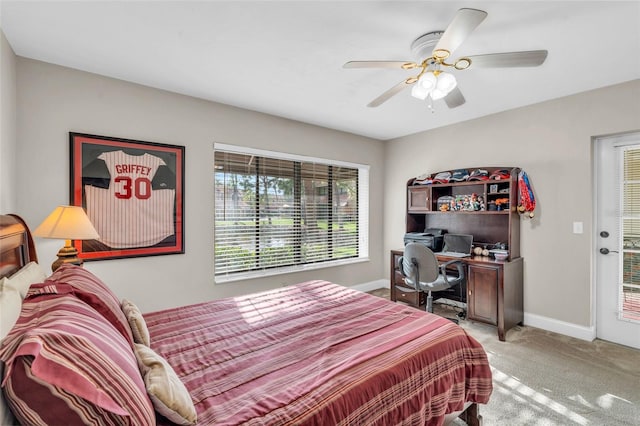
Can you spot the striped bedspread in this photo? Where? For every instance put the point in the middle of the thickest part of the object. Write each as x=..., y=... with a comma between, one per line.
x=319, y=354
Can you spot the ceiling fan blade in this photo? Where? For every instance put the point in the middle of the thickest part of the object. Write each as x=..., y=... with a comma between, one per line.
x=406, y=65
x=391, y=92
x=465, y=21
x=531, y=58
x=454, y=98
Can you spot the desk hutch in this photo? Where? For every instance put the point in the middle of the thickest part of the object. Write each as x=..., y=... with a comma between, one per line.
x=493, y=290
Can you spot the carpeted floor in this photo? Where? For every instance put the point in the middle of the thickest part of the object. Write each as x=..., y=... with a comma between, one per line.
x=542, y=378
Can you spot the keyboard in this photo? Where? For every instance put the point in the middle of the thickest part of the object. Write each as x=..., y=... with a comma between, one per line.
x=452, y=254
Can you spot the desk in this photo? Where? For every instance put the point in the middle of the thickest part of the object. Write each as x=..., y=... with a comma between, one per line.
x=494, y=292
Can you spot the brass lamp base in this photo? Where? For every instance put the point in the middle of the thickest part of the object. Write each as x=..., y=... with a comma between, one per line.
x=67, y=254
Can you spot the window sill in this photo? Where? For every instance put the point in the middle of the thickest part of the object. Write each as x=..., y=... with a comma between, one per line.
x=286, y=270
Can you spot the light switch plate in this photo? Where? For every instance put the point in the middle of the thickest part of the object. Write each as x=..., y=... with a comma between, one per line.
x=577, y=228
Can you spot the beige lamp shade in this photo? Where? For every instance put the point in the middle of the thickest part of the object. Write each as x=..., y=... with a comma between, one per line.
x=67, y=223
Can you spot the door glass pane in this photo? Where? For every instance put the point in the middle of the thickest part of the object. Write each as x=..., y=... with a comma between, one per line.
x=629, y=290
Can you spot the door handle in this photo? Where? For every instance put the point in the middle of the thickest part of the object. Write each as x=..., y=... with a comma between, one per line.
x=605, y=250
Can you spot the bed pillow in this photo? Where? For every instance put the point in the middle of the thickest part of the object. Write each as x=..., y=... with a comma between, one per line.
x=96, y=293
x=136, y=322
x=10, y=304
x=167, y=392
x=30, y=273
x=65, y=364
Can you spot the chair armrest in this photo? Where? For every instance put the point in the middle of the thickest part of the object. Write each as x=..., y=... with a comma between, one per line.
x=459, y=266
x=400, y=260
x=451, y=262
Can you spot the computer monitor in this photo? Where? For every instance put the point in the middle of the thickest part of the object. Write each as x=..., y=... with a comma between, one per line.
x=457, y=243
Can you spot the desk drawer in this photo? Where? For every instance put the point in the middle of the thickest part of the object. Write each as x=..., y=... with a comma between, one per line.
x=398, y=278
x=409, y=295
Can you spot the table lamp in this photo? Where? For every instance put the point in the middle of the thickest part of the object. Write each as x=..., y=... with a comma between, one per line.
x=67, y=223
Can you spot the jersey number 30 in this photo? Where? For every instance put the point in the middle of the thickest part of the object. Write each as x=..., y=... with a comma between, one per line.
x=127, y=188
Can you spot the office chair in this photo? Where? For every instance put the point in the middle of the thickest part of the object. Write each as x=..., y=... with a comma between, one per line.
x=421, y=270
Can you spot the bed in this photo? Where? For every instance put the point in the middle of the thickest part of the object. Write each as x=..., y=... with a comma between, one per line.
x=315, y=353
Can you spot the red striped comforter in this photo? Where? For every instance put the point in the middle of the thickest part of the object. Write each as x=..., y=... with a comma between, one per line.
x=319, y=354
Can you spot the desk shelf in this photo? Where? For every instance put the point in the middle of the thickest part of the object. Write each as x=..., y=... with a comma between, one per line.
x=488, y=227
x=497, y=212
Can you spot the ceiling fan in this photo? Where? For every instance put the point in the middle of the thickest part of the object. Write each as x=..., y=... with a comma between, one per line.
x=437, y=46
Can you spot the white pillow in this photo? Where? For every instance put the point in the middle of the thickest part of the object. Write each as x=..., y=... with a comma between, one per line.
x=31, y=273
x=136, y=322
x=167, y=392
x=10, y=307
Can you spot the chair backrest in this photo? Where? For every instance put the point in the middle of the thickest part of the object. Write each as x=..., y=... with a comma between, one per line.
x=419, y=263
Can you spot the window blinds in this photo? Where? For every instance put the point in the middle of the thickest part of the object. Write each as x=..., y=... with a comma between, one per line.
x=629, y=291
x=631, y=198
x=281, y=212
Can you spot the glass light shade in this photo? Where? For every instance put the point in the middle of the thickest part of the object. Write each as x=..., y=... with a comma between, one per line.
x=67, y=223
x=417, y=91
x=438, y=94
x=428, y=81
x=446, y=82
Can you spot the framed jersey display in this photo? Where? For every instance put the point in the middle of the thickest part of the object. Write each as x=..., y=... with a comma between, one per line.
x=133, y=193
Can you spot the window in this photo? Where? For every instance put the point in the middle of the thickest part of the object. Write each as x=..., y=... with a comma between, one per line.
x=279, y=213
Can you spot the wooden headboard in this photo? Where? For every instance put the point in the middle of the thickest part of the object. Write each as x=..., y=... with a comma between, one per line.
x=16, y=244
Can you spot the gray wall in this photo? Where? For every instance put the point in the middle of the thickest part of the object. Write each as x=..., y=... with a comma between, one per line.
x=53, y=100
x=7, y=124
x=551, y=141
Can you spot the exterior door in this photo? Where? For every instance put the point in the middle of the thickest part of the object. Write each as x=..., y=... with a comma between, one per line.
x=617, y=239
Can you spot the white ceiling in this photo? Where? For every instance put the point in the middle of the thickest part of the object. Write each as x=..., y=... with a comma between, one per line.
x=285, y=58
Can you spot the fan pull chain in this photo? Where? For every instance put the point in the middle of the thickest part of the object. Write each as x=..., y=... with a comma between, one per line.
x=430, y=105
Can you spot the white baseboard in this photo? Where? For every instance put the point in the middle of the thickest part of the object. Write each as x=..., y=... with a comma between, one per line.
x=560, y=327
x=371, y=285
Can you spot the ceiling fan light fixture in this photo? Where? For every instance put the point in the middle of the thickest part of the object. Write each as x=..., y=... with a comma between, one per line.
x=436, y=84
x=428, y=81
x=419, y=92
x=437, y=94
x=446, y=82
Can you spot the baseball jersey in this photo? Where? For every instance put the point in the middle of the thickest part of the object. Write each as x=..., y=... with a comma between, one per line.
x=130, y=213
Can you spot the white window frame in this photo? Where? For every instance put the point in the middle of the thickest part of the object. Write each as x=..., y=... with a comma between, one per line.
x=363, y=214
